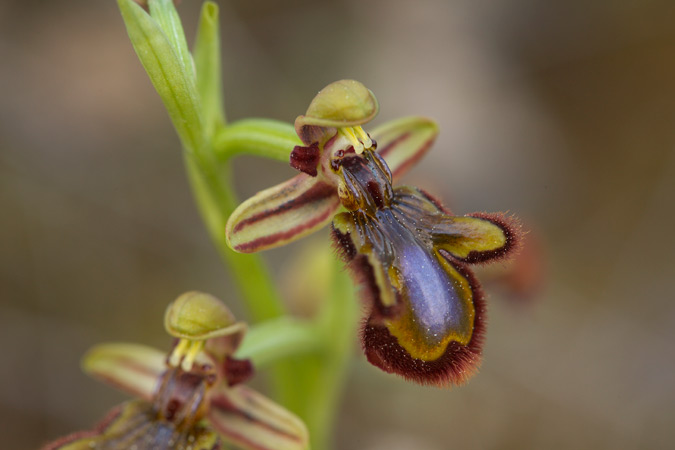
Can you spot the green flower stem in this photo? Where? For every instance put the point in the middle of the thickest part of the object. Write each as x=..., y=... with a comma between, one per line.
x=214, y=192
x=214, y=195
x=216, y=202
x=320, y=367
x=309, y=379
x=338, y=324
x=174, y=80
x=259, y=137
x=211, y=182
x=270, y=341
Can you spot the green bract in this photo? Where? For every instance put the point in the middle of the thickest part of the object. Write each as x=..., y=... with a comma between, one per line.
x=344, y=103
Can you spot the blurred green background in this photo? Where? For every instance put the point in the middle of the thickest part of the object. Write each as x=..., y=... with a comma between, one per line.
x=562, y=112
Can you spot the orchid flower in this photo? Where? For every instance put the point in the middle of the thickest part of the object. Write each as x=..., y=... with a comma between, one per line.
x=190, y=399
x=425, y=309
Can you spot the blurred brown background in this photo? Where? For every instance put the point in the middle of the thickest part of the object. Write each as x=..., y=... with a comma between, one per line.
x=562, y=112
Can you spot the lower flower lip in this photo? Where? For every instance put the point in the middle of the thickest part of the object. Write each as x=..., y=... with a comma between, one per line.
x=413, y=251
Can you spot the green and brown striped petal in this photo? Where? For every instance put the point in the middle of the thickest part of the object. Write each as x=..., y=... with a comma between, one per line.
x=132, y=368
x=404, y=141
x=251, y=421
x=282, y=214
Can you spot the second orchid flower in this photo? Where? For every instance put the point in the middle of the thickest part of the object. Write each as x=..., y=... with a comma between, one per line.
x=192, y=399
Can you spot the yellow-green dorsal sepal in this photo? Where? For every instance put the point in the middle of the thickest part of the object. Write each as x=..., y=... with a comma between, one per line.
x=199, y=316
x=341, y=104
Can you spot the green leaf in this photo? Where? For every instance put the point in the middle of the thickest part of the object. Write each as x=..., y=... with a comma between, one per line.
x=208, y=68
x=164, y=12
x=259, y=137
x=216, y=204
x=167, y=73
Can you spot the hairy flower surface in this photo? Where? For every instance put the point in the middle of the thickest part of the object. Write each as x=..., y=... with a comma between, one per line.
x=190, y=399
x=426, y=312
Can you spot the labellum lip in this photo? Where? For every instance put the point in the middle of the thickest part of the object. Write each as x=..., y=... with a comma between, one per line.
x=437, y=304
x=401, y=345
x=432, y=334
x=454, y=366
x=427, y=312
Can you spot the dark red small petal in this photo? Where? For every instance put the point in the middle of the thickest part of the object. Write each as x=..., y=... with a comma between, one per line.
x=245, y=419
x=237, y=371
x=455, y=366
x=306, y=159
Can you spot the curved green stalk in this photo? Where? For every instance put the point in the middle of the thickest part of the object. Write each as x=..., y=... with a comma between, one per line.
x=258, y=137
x=277, y=339
x=216, y=202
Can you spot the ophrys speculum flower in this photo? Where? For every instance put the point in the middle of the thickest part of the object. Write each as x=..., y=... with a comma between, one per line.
x=427, y=315
x=426, y=310
x=192, y=398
